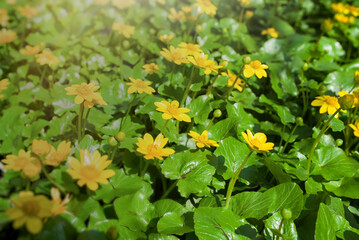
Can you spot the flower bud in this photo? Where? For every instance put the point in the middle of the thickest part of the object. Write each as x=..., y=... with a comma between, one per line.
x=224, y=63
x=245, y=3
x=152, y=31
x=199, y=28
x=339, y=142
x=112, y=233
x=125, y=44
x=346, y=101
x=327, y=25
x=322, y=89
x=112, y=141
x=120, y=136
x=246, y=60
x=356, y=78
x=248, y=15
x=286, y=213
x=305, y=66
x=299, y=121
x=217, y=113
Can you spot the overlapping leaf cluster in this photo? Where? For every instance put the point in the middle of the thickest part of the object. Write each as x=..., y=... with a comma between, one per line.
x=133, y=119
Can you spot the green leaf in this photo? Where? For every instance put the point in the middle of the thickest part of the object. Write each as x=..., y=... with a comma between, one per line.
x=172, y=223
x=345, y=187
x=337, y=125
x=331, y=47
x=200, y=108
x=283, y=112
x=243, y=119
x=277, y=171
x=251, y=204
x=313, y=187
x=216, y=223
x=286, y=195
x=64, y=180
x=134, y=211
x=192, y=171
x=158, y=236
x=325, y=225
x=333, y=164
x=234, y=152
x=288, y=231
x=58, y=228
x=164, y=206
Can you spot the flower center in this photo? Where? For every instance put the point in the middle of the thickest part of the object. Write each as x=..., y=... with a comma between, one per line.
x=22, y=161
x=90, y=172
x=140, y=84
x=256, y=64
x=31, y=208
x=202, y=139
x=154, y=150
x=256, y=143
x=173, y=110
x=84, y=90
x=331, y=101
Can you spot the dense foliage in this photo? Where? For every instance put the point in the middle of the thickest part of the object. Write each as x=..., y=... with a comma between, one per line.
x=192, y=119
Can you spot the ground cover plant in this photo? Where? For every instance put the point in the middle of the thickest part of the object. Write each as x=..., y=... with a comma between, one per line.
x=191, y=119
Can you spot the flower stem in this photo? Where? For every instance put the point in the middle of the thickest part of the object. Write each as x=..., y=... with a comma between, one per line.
x=280, y=228
x=79, y=122
x=209, y=124
x=164, y=126
x=142, y=172
x=322, y=131
x=52, y=180
x=85, y=122
x=173, y=69
x=128, y=110
x=209, y=91
x=169, y=190
x=187, y=88
x=233, y=180
x=290, y=135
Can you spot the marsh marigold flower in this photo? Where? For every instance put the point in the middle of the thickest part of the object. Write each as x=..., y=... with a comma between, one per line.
x=151, y=68
x=27, y=11
x=153, y=148
x=234, y=79
x=344, y=19
x=90, y=170
x=58, y=205
x=245, y=3
x=191, y=48
x=166, y=38
x=123, y=29
x=202, y=139
x=85, y=93
x=140, y=86
x=257, y=142
x=40, y=147
x=47, y=57
x=205, y=6
x=29, y=210
x=174, y=15
x=326, y=103
x=255, y=67
x=3, y=85
x=350, y=98
x=176, y=55
x=31, y=50
x=271, y=32
x=172, y=110
x=202, y=61
x=4, y=17
x=24, y=162
x=123, y=4
x=7, y=36
x=56, y=156
x=355, y=127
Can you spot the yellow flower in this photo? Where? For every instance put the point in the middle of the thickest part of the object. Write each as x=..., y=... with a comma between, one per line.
x=31, y=50
x=340, y=7
x=258, y=142
x=202, y=140
x=47, y=57
x=40, y=147
x=202, y=61
x=255, y=67
x=171, y=110
x=90, y=170
x=355, y=96
x=161, y=1
x=3, y=85
x=151, y=68
x=29, y=166
x=344, y=19
x=248, y=15
x=153, y=149
x=101, y=2
x=187, y=9
x=27, y=11
x=11, y=1
x=140, y=86
x=85, y=93
x=271, y=32
x=205, y=6
x=123, y=4
x=191, y=49
x=233, y=79
x=176, y=55
x=123, y=29
x=29, y=210
x=326, y=103
x=58, y=205
x=166, y=38
x=355, y=128
x=7, y=36
x=244, y=3
x=4, y=17
x=174, y=15
x=55, y=157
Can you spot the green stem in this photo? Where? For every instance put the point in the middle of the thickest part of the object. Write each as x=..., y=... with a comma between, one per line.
x=164, y=126
x=143, y=171
x=79, y=122
x=85, y=122
x=169, y=190
x=346, y=133
x=233, y=180
x=188, y=87
x=28, y=185
x=281, y=139
x=52, y=180
x=173, y=69
x=209, y=124
x=315, y=47
x=322, y=131
x=43, y=74
x=290, y=135
x=280, y=228
x=211, y=86
x=128, y=110
x=114, y=152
